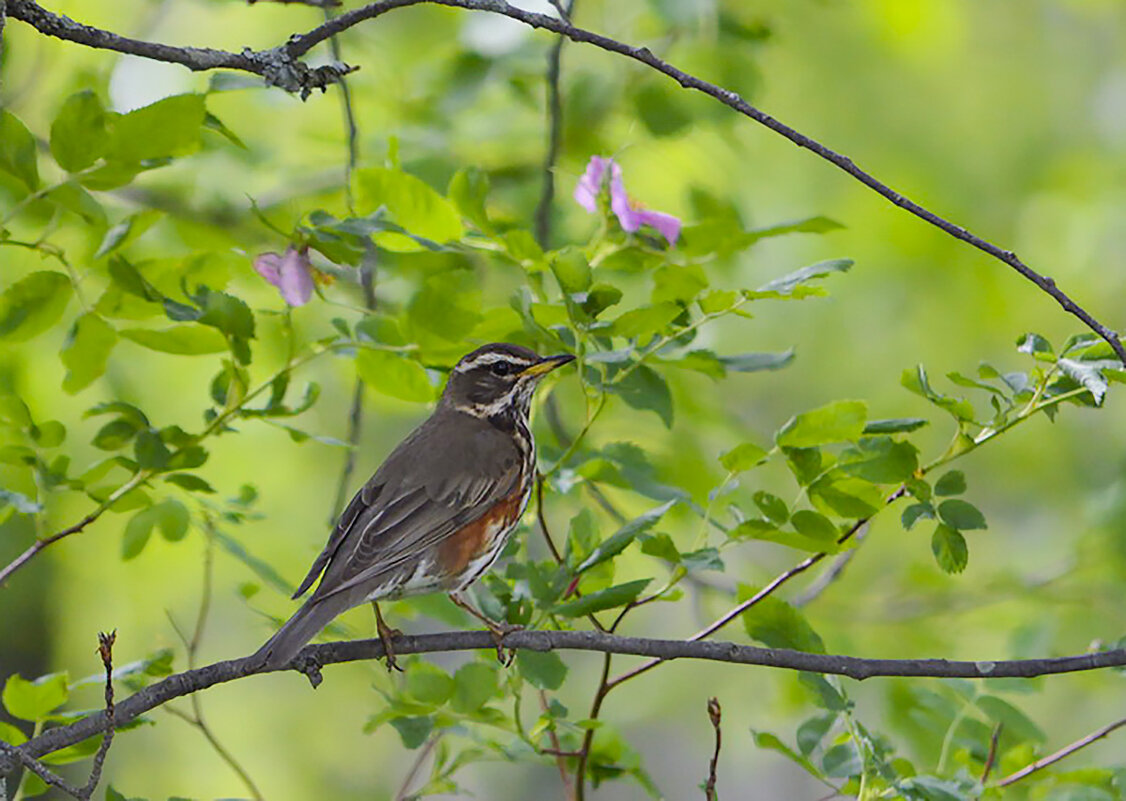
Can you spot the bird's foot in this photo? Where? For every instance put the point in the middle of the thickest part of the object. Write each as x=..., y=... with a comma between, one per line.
x=499, y=629
x=387, y=636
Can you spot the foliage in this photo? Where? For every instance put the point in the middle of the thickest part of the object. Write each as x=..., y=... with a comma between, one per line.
x=651, y=497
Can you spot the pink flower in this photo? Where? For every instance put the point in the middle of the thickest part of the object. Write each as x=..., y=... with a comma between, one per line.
x=290, y=272
x=630, y=216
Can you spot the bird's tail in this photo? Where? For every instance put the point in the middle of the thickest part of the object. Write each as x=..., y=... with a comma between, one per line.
x=305, y=624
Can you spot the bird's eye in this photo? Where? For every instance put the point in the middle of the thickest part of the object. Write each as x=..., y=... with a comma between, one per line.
x=501, y=368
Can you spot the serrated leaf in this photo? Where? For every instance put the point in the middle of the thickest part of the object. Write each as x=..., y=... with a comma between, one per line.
x=840, y=421
x=961, y=515
x=742, y=457
x=18, y=156
x=35, y=700
x=950, y=549
x=188, y=339
x=621, y=539
x=413, y=204
x=896, y=425
x=394, y=375
x=951, y=483
x=544, y=670
x=166, y=128
x=610, y=598
x=32, y=305
x=916, y=512
x=645, y=388
x=78, y=134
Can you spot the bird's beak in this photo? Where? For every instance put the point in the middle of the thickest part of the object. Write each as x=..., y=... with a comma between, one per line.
x=547, y=364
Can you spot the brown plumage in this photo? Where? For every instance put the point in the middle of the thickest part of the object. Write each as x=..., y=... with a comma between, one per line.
x=439, y=510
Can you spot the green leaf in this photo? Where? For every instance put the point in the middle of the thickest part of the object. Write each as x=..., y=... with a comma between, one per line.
x=764, y=739
x=394, y=375
x=952, y=483
x=414, y=205
x=1034, y=344
x=839, y=421
x=571, y=270
x=413, y=730
x=773, y=507
x=474, y=684
x=882, y=461
x=469, y=189
x=78, y=134
x=645, y=388
x=846, y=496
x=620, y=540
x=35, y=700
x=172, y=518
x=167, y=128
x=777, y=624
x=646, y=321
x=916, y=381
x=32, y=305
x=599, y=298
x=894, y=426
x=950, y=550
x=429, y=683
x=678, y=283
x=755, y=362
x=916, y=512
x=1088, y=375
x=786, y=284
x=544, y=670
x=150, y=450
x=189, y=482
x=742, y=457
x=812, y=731
x=815, y=526
x=1016, y=722
x=961, y=515
x=137, y=533
x=11, y=735
x=804, y=463
x=188, y=339
x=18, y=156
x=74, y=198
x=618, y=595
x=447, y=305
x=767, y=531
x=21, y=503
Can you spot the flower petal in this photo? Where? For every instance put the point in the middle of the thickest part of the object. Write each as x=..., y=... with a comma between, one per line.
x=619, y=201
x=668, y=225
x=590, y=185
x=266, y=265
x=295, y=281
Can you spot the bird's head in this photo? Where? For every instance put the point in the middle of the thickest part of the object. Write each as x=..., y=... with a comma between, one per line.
x=498, y=380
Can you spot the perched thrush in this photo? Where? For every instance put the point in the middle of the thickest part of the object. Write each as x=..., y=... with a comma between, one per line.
x=440, y=509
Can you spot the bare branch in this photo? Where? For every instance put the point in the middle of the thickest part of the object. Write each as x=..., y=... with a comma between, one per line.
x=1064, y=752
x=313, y=657
x=715, y=714
x=992, y=757
x=554, y=131
x=16, y=756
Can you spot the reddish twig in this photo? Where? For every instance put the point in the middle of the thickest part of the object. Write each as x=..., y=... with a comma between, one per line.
x=1064, y=752
x=989, y=760
x=714, y=714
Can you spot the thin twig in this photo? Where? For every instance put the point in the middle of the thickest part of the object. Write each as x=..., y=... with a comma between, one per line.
x=17, y=756
x=105, y=651
x=557, y=751
x=588, y=737
x=281, y=66
x=992, y=757
x=423, y=752
x=554, y=131
x=714, y=715
x=1064, y=752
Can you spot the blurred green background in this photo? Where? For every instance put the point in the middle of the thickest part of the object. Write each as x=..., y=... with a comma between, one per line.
x=1007, y=116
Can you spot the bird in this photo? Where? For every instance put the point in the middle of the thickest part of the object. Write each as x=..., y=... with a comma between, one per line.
x=439, y=510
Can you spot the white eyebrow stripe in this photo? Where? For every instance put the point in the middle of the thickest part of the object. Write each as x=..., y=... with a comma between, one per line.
x=490, y=358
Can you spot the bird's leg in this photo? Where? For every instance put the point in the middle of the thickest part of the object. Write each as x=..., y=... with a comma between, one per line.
x=386, y=636
x=497, y=628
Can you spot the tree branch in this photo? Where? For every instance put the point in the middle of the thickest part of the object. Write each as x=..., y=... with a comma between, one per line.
x=714, y=715
x=1066, y=751
x=281, y=66
x=554, y=131
x=313, y=657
